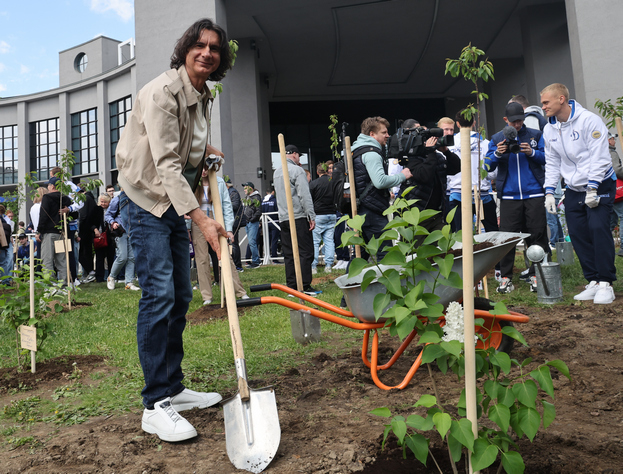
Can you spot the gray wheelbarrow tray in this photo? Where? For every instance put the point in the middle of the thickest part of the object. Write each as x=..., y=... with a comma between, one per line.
x=361, y=303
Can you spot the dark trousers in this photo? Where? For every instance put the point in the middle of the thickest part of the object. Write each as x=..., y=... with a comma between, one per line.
x=590, y=234
x=108, y=254
x=341, y=253
x=489, y=220
x=527, y=215
x=72, y=258
x=235, y=250
x=274, y=239
x=215, y=267
x=306, y=251
x=85, y=255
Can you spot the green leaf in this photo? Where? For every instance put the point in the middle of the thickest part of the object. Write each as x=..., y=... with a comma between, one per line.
x=368, y=278
x=384, y=412
x=484, y=454
x=394, y=257
x=442, y=422
x=433, y=237
x=456, y=449
x=399, y=427
x=515, y=421
x=356, y=223
x=418, y=422
x=453, y=281
x=419, y=445
x=412, y=216
x=462, y=431
x=561, y=366
x=453, y=347
x=526, y=392
x=544, y=377
x=506, y=396
x=513, y=462
x=491, y=388
x=405, y=327
x=445, y=264
x=529, y=421
x=391, y=281
x=380, y=303
x=511, y=331
x=501, y=360
x=549, y=413
x=500, y=415
x=429, y=337
x=431, y=352
x=426, y=400
x=356, y=267
x=426, y=251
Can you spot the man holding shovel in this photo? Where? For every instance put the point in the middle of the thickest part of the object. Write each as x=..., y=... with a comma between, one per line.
x=161, y=155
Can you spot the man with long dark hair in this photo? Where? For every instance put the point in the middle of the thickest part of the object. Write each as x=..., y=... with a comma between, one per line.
x=160, y=156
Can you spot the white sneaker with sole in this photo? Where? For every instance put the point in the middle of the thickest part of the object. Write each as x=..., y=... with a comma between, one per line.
x=132, y=286
x=314, y=270
x=110, y=283
x=589, y=292
x=605, y=293
x=188, y=399
x=327, y=269
x=167, y=423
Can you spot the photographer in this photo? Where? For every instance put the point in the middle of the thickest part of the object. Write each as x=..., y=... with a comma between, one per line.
x=518, y=154
x=125, y=253
x=430, y=167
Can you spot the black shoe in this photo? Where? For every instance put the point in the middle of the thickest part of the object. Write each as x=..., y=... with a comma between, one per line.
x=311, y=291
x=343, y=303
x=253, y=265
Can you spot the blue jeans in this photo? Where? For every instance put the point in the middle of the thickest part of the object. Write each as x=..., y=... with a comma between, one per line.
x=324, y=230
x=163, y=269
x=6, y=258
x=555, y=228
x=253, y=229
x=125, y=257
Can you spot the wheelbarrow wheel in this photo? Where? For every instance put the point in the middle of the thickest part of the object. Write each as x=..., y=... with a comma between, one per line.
x=501, y=342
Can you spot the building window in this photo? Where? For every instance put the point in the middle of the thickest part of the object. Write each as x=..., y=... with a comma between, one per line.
x=84, y=141
x=44, y=147
x=119, y=112
x=8, y=154
x=81, y=62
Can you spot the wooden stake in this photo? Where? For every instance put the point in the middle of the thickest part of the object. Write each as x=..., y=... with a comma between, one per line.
x=31, y=249
x=69, y=280
x=468, y=283
x=351, y=182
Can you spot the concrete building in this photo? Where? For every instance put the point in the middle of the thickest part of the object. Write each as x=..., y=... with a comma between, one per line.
x=300, y=62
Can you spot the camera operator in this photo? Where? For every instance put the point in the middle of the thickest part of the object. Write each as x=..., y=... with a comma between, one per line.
x=430, y=168
x=518, y=154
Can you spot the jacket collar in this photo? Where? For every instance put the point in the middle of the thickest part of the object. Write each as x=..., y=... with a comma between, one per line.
x=189, y=89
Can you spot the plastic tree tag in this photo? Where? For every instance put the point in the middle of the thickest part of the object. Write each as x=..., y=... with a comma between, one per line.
x=28, y=336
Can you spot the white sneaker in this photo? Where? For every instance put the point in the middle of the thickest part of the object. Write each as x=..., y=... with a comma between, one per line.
x=605, y=293
x=244, y=297
x=328, y=269
x=110, y=283
x=188, y=399
x=167, y=423
x=589, y=292
x=498, y=275
x=132, y=286
x=314, y=270
x=205, y=302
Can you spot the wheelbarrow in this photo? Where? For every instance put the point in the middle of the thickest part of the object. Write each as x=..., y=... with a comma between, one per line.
x=360, y=307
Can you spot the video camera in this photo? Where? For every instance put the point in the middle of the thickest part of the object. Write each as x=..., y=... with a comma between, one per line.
x=510, y=134
x=411, y=142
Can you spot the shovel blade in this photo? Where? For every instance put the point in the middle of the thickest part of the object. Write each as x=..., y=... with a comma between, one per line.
x=305, y=327
x=252, y=431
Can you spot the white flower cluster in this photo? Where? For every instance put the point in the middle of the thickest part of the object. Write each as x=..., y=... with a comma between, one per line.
x=454, y=330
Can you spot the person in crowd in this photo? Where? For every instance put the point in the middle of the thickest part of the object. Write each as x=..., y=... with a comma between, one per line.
x=23, y=249
x=429, y=176
x=269, y=206
x=253, y=214
x=324, y=207
x=89, y=221
x=72, y=222
x=534, y=116
x=9, y=262
x=49, y=230
x=110, y=190
x=237, y=207
x=304, y=220
x=616, y=217
x=104, y=256
x=203, y=194
x=577, y=151
x=6, y=257
x=160, y=157
x=519, y=182
x=124, y=252
x=35, y=209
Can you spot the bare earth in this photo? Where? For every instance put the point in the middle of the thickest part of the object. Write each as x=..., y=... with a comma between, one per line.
x=324, y=410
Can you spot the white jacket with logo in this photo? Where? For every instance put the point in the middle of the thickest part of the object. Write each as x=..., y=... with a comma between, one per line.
x=577, y=150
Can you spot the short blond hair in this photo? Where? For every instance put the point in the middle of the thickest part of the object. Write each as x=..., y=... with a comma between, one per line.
x=447, y=120
x=104, y=197
x=373, y=124
x=557, y=89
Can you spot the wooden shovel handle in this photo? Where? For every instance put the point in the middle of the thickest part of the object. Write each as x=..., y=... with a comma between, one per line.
x=293, y=236
x=351, y=182
x=228, y=282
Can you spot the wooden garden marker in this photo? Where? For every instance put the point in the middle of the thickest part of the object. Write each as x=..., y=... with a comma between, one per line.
x=351, y=182
x=468, y=283
x=619, y=125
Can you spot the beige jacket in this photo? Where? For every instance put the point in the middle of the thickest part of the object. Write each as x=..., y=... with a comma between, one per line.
x=155, y=144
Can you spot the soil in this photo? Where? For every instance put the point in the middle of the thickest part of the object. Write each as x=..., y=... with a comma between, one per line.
x=324, y=407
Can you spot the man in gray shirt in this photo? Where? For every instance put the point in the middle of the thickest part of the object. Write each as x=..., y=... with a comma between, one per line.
x=305, y=220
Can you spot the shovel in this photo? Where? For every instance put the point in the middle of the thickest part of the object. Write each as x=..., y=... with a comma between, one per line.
x=305, y=327
x=252, y=431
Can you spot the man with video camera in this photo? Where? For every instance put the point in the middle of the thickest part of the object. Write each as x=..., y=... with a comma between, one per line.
x=518, y=154
x=425, y=153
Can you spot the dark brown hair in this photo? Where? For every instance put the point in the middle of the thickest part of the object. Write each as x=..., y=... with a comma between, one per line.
x=190, y=38
x=373, y=124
